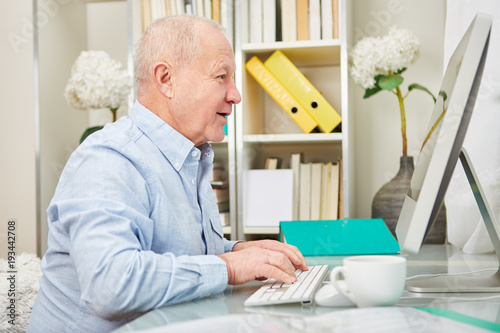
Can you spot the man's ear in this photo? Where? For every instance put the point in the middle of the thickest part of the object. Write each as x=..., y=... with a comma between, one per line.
x=162, y=72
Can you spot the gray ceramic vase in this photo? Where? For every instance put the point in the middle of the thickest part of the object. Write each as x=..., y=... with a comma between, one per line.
x=388, y=201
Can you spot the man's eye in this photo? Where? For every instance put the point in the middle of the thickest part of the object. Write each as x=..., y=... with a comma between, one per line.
x=223, y=76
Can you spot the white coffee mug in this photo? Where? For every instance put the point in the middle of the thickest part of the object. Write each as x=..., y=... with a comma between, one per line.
x=373, y=280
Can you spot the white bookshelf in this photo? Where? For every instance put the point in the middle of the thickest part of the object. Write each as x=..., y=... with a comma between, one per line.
x=263, y=129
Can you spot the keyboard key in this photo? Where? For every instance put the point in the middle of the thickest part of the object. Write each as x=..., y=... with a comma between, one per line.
x=277, y=292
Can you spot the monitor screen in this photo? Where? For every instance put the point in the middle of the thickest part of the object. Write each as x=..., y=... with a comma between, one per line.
x=445, y=135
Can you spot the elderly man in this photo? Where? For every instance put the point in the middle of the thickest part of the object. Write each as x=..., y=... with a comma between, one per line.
x=133, y=224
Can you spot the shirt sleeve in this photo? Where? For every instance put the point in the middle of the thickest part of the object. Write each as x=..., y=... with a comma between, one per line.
x=102, y=203
x=228, y=245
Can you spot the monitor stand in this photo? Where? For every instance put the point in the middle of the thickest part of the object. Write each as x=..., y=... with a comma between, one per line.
x=467, y=283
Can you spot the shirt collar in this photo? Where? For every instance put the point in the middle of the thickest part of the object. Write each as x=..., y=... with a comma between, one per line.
x=174, y=146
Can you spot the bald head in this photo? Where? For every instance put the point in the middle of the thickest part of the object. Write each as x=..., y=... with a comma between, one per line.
x=173, y=39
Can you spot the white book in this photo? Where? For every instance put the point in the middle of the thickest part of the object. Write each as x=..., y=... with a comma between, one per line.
x=316, y=175
x=200, y=8
x=314, y=20
x=255, y=21
x=226, y=18
x=269, y=21
x=305, y=192
x=268, y=197
x=207, y=7
x=288, y=20
x=325, y=188
x=295, y=160
x=326, y=19
x=157, y=9
x=193, y=4
x=333, y=206
x=179, y=6
x=168, y=7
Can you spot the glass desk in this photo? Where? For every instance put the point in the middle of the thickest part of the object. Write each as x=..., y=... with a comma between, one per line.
x=432, y=259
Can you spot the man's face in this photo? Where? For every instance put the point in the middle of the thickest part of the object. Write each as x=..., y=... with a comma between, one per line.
x=204, y=91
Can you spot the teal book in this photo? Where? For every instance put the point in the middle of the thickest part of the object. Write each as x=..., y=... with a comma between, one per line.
x=339, y=237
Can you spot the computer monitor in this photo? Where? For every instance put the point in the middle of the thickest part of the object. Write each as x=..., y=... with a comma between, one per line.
x=438, y=156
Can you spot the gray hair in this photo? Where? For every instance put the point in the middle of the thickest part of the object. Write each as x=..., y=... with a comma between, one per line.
x=174, y=39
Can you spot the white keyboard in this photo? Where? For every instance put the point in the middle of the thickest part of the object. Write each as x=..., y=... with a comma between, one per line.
x=277, y=292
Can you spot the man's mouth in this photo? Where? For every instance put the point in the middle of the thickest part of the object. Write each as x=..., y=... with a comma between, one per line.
x=223, y=114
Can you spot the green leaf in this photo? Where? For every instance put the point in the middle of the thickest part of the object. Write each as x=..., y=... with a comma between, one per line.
x=420, y=87
x=442, y=93
x=390, y=82
x=89, y=131
x=371, y=91
x=401, y=70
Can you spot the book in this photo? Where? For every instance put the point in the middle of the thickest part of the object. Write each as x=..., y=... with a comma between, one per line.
x=216, y=10
x=255, y=28
x=333, y=192
x=180, y=7
x=168, y=8
x=325, y=190
x=339, y=237
x=226, y=18
x=268, y=197
x=314, y=19
x=341, y=191
x=335, y=18
x=280, y=94
x=288, y=20
x=295, y=160
x=200, y=8
x=303, y=90
x=269, y=21
x=147, y=15
x=190, y=7
x=272, y=163
x=316, y=190
x=305, y=191
x=157, y=9
x=207, y=6
x=326, y=19
x=302, y=10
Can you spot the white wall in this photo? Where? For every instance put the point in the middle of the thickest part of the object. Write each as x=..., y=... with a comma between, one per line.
x=74, y=27
x=376, y=120
x=17, y=126
x=107, y=31
x=61, y=38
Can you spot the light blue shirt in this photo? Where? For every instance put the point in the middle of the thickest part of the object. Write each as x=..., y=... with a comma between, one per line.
x=133, y=225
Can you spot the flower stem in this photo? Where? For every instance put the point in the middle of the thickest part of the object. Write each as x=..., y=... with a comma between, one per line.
x=403, y=119
x=113, y=111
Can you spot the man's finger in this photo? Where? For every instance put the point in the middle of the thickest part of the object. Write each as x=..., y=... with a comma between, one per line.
x=276, y=273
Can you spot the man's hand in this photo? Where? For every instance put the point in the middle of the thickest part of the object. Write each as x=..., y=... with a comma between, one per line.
x=263, y=259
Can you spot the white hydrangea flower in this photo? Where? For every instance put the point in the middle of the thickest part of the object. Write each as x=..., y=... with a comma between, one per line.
x=97, y=81
x=380, y=55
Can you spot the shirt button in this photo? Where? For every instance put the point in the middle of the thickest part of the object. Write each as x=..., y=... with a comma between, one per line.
x=193, y=153
x=193, y=181
x=177, y=164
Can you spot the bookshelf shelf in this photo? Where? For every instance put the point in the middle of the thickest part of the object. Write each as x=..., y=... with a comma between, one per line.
x=299, y=138
x=261, y=230
x=324, y=52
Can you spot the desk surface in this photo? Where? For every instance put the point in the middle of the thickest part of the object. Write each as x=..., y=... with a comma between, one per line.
x=432, y=259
